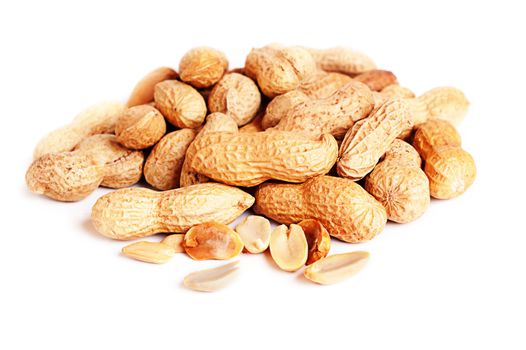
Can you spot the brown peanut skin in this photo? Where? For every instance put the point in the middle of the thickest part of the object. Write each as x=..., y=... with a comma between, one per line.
x=72, y=176
x=163, y=167
x=343, y=207
x=247, y=159
x=202, y=67
x=333, y=115
x=140, y=127
x=212, y=240
x=323, y=84
x=318, y=239
x=139, y=212
x=143, y=92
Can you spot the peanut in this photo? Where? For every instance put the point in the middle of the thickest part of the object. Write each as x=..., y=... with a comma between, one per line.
x=237, y=96
x=138, y=212
x=163, y=166
x=435, y=133
x=143, y=92
x=278, y=70
x=445, y=103
x=343, y=207
x=334, y=114
x=181, y=104
x=247, y=159
x=98, y=119
x=211, y=280
x=215, y=122
x=140, y=127
x=323, y=84
x=342, y=60
x=318, y=239
x=202, y=67
x=152, y=252
x=399, y=183
x=370, y=138
x=288, y=247
x=450, y=169
x=254, y=125
x=336, y=268
x=255, y=233
x=72, y=176
x=212, y=240
x=175, y=241
x=377, y=79
x=395, y=90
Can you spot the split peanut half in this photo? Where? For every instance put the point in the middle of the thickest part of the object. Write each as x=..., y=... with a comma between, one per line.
x=211, y=280
x=336, y=268
x=288, y=247
x=212, y=240
x=255, y=232
x=175, y=241
x=152, y=252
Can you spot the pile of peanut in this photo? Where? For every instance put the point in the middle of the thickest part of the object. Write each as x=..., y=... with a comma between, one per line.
x=320, y=141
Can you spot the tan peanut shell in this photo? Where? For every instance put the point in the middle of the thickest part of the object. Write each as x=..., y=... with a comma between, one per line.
x=445, y=103
x=255, y=232
x=202, y=67
x=212, y=241
x=435, y=133
x=138, y=212
x=97, y=119
x=175, y=241
x=211, y=280
x=342, y=60
x=143, y=92
x=451, y=171
x=377, y=79
x=397, y=91
x=237, y=96
x=152, y=252
x=181, y=104
x=72, y=176
x=288, y=247
x=246, y=159
x=278, y=70
x=370, y=138
x=334, y=114
x=282, y=105
x=140, y=127
x=343, y=207
x=403, y=154
x=254, y=125
x=318, y=239
x=215, y=122
x=323, y=84
x=163, y=166
x=402, y=189
x=336, y=268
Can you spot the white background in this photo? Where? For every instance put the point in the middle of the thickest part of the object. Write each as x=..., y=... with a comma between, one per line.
x=454, y=279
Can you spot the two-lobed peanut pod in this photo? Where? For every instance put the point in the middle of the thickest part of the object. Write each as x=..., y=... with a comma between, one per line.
x=72, y=176
x=248, y=159
x=343, y=207
x=138, y=212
